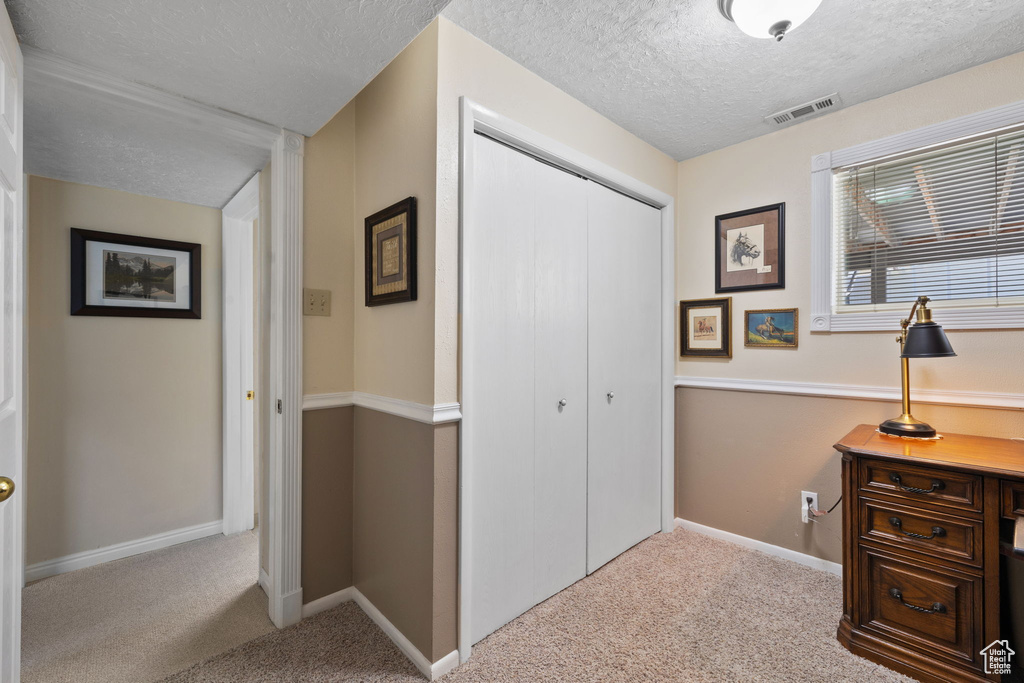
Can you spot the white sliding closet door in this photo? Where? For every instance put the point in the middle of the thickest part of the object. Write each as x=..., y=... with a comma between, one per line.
x=624, y=466
x=524, y=289
x=560, y=439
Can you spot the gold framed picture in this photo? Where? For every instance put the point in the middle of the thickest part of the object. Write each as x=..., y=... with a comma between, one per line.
x=771, y=328
x=706, y=327
x=391, y=254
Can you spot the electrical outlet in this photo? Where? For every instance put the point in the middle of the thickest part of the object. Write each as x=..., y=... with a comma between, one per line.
x=316, y=302
x=804, y=495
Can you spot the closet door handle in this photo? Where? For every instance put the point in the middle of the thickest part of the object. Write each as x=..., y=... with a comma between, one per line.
x=562, y=403
x=611, y=395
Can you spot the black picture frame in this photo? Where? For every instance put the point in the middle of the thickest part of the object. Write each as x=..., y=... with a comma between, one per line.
x=771, y=220
x=80, y=268
x=400, y=285
x=723, y=349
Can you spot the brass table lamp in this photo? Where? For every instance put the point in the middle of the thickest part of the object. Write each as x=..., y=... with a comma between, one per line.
x=921, y=338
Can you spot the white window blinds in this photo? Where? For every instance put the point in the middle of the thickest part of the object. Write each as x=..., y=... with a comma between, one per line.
x=946, y=222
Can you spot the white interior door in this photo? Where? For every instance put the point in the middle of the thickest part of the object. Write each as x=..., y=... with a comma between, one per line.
x=560, y=343
x=12, y=312
x=624, y=445
x=239, y=414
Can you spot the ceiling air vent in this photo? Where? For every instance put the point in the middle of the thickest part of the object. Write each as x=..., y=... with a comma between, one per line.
x=807, y=110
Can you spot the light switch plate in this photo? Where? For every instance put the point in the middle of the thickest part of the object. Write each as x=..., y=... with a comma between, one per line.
x=316, y=302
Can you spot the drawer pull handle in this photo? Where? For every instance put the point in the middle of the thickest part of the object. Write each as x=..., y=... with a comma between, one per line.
x=937, y=531
x=936, y=608
x=937, y=485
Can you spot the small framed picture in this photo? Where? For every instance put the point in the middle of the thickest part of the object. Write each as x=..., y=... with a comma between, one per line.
x=773, y=328
x=706, y=327
x=750, y=249
x=131, y=276
x=391, y=254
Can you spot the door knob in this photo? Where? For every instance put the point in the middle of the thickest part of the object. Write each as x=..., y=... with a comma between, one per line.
x=562, y=403
x=611, y=395
x=6, y=488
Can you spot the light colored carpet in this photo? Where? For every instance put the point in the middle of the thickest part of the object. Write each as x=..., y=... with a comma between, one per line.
x=141, y=618
x=678, y=607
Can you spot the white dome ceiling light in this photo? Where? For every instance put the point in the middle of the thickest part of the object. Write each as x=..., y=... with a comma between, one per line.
x=767, y=18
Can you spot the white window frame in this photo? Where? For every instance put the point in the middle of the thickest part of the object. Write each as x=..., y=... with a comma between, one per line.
x=823, y=168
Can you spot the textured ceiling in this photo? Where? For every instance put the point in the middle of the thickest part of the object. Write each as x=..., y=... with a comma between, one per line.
x=71, y=135
x=292, y=63
x=680, y=76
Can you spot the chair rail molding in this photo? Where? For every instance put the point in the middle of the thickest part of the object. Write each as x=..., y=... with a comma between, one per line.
x=964, y=399
x=285, y=391
x=823, y=167
x=438, y=413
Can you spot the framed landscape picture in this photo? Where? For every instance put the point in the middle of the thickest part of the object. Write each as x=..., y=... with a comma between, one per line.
x=706, y=327
x=131, y=276
x=391, y=254
x=774, y=328
x=750, y=249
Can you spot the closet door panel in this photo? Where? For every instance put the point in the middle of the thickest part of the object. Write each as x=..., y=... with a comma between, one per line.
x=560, y=529
x=624, y=444
x=499, y=391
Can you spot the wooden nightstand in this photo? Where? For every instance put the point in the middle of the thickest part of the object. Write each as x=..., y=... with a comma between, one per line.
x=921, y=532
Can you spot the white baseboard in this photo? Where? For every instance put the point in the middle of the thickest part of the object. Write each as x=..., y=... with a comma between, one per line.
x=431, y=670
x=118, y=551
x=265, y=581
x=328, y=602
x=767, y=548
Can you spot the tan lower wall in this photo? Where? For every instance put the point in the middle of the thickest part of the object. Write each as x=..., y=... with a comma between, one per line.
x=743, y=458
x=446, y=539
x=396, y=563
x=326, y=502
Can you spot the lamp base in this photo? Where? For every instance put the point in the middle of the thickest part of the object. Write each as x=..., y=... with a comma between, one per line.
x=906, y=425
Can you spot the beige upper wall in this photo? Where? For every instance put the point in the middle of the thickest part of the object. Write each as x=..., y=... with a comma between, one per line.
x=395, y=151
x=469, y=67
x=328, y=263
x=124, y=433
x=777, y=168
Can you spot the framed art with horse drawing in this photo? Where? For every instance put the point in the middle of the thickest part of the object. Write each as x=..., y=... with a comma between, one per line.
x=750, y=249
x=775, y=328
x=706, y=327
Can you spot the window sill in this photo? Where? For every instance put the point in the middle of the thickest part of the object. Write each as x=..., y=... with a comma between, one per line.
x=979, y=318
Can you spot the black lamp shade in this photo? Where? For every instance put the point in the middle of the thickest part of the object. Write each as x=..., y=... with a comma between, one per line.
x=926, y=340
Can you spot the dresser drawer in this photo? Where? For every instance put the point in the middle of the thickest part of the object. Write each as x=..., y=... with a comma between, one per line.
x=1013, y=499
x=924, y=531
x=935, y=610
x=921, y=484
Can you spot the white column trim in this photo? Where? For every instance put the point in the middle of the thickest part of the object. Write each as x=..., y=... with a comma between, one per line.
x=438, y=413
x=965, y=399
x=285, y=471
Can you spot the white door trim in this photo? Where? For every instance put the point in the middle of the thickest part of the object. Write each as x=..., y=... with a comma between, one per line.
x=239, y=477
x=284, y=408
x=474, y=119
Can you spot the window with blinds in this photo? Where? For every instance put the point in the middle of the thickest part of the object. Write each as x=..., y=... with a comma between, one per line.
x=946, y=222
